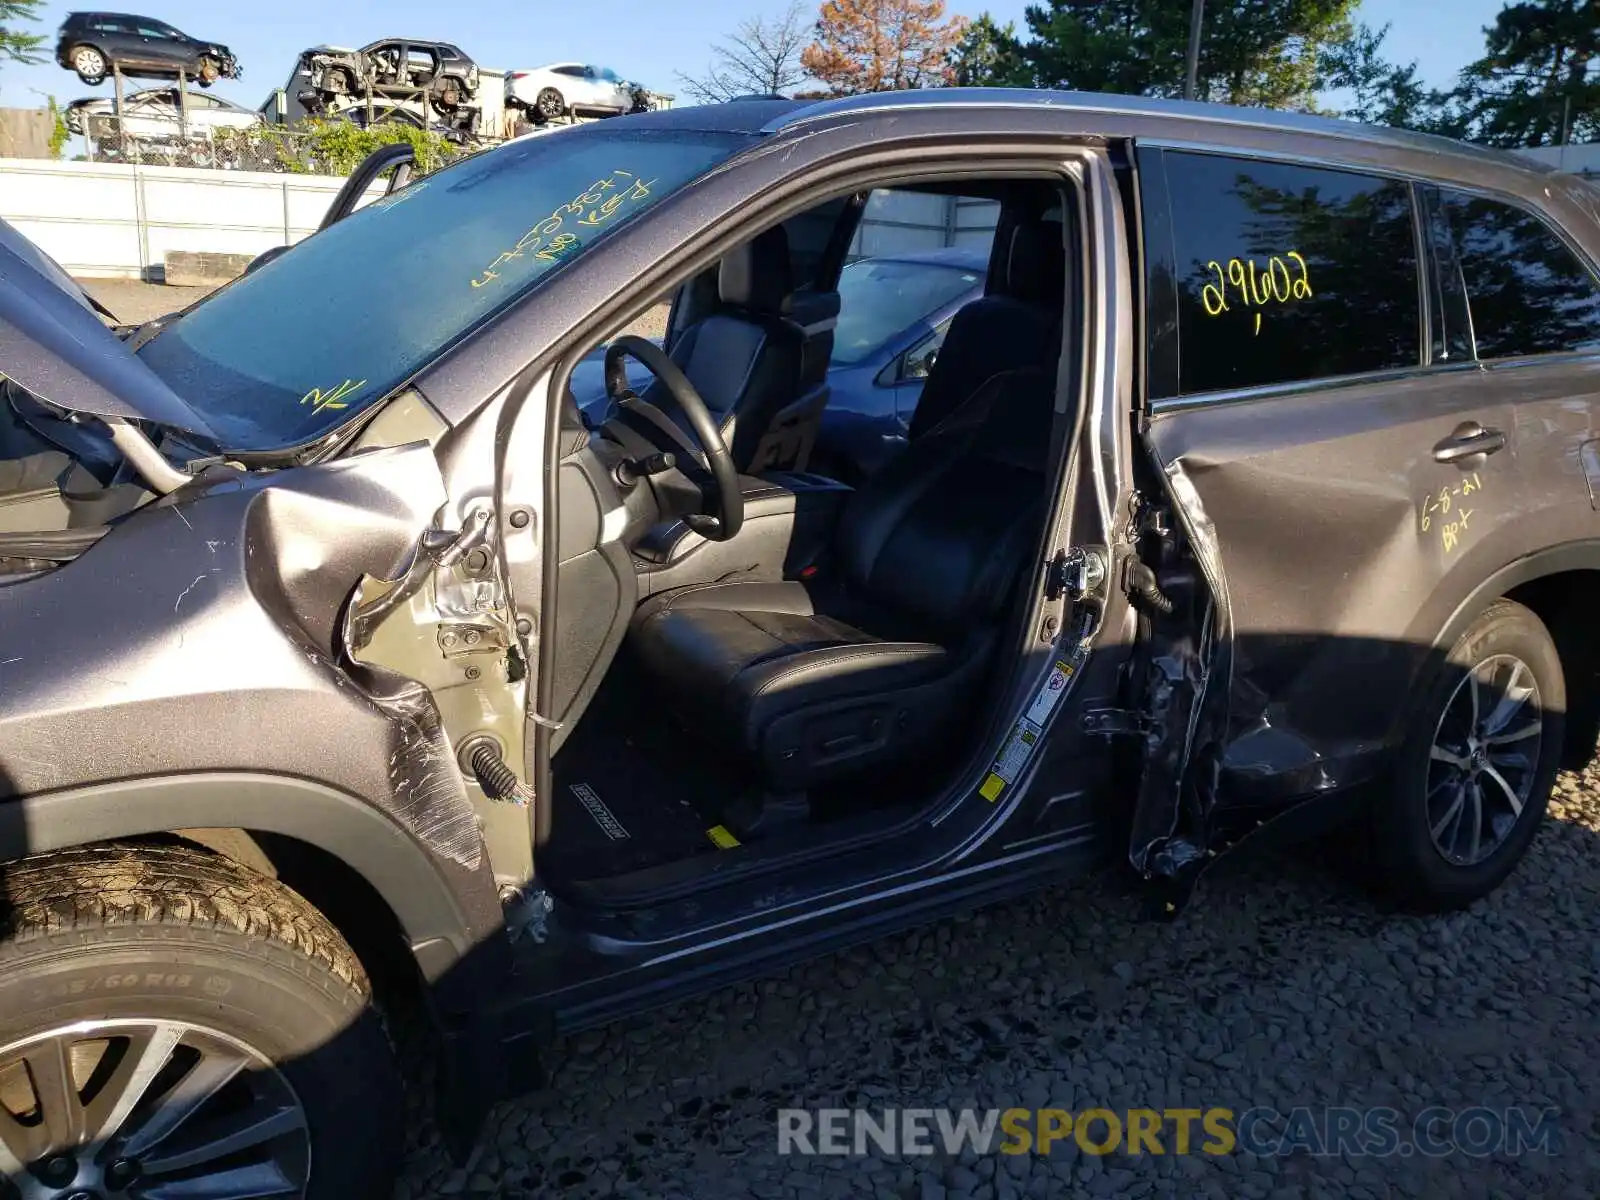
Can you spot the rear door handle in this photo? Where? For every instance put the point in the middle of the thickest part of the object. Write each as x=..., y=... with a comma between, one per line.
x=1469, y=445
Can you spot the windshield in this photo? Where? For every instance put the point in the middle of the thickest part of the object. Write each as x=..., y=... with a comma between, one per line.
x=881, y=298
x=293, y=350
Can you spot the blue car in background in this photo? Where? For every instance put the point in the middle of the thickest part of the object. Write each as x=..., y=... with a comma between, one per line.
x=893, y=314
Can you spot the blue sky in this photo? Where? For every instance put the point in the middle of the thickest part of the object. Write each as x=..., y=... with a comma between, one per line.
x=648, y=40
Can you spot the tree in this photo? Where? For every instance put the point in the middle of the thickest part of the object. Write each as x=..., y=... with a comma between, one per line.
x=761, y=57
x=988, y=55
x=882, y=45
x=1252, y=52
x=14, y=44
x=1536, y=77
x=1382, y=92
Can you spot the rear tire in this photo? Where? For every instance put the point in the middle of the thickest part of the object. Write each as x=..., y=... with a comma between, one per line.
x=162, y=974
x=90, y=64
x=1481, y=754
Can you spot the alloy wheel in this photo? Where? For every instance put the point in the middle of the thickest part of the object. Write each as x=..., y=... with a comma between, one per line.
x=551, y=104
x=1484, y=759
x=147, y=1109
x=88, y=61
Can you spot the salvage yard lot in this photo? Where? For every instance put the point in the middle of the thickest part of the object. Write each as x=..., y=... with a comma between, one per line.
x=1280, y=986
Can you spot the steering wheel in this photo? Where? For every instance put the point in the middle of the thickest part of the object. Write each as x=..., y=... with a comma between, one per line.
x=724, y=477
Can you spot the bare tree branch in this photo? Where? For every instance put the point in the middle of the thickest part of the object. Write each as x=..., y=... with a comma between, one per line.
x=761, y=57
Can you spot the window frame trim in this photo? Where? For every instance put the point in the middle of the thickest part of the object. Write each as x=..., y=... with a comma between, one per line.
x=1233, y=395
x=1561, y=236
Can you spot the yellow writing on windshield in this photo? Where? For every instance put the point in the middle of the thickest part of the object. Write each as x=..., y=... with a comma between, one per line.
x=1256, y=287
x=321, y=401
x=591, y=208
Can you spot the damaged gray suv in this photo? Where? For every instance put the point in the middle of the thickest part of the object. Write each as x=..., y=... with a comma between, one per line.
x=340, y=661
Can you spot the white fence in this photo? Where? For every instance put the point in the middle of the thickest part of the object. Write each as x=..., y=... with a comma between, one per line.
x=113, y=220
x=897, y=222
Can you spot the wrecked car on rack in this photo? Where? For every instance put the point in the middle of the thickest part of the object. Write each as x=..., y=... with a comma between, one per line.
x=1256, y=492
x=433, y=76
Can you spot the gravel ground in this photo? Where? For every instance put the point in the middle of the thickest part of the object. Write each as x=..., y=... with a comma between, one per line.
x=1281, y=985
x=134, y=301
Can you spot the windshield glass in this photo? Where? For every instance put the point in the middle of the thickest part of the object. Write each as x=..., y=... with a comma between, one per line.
x=293, y=350
x=881, y=298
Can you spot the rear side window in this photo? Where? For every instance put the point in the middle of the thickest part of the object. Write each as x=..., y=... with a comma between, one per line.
x=1286, y=273
x=1527, y=290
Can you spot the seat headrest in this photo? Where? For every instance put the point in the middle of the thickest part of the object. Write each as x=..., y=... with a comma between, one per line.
x=1036, y=264
x=757, y=275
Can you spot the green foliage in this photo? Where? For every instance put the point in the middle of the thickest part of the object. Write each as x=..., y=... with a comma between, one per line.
x=1252, y=52
x=1537, y=72
x=60, y=135
x=338, y=147
x=14, y=44
x=988, y=55
x=1382, y=92
x=320, y=147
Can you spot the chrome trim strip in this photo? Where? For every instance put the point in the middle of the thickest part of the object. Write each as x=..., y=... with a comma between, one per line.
x=1094, y=104
x=1271, y=391
x=1520, y=362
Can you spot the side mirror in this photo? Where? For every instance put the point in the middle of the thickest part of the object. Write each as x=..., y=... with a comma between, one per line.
x=918, y=361
x=264, y=258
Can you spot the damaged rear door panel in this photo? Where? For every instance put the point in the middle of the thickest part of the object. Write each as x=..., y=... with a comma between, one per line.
x=1332, y=481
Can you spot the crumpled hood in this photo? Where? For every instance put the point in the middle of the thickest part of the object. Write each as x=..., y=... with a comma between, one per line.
x=53, y=344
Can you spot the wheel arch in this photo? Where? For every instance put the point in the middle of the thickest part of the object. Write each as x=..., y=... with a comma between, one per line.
x=226, y=812
x=1561, y=585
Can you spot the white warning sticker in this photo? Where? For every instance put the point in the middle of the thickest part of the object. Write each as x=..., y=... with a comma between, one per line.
x=1026, y=733
x=1054, y=687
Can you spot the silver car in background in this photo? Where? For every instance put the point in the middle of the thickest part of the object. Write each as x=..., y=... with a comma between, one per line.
x=152, y=114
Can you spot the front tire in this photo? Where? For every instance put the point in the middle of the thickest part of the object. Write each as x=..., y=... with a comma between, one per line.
x=90, y=65
x=1481, y=755
x=207, y=71
x=550, y=105
x=166, y=1015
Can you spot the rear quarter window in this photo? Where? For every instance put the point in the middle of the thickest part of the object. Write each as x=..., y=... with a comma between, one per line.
x=1283, y=273
x=1527, y=291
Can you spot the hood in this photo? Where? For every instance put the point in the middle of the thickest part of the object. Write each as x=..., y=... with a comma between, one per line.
x=53, y=344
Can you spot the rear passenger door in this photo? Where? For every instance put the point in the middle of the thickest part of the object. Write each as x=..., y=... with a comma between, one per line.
x=1526, y=304
x=120, y=39
x=1337, y=464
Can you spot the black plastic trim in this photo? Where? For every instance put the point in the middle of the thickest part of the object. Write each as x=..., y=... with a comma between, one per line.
x=359, y=836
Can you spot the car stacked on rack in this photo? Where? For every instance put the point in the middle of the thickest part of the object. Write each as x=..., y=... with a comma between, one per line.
x=398, y=79
x=97, y=44
x=424, y=83
x=571, y=89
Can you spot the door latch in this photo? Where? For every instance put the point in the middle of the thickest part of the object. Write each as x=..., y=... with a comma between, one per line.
x=1078, y=573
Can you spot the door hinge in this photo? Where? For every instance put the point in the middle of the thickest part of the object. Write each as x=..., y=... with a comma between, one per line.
x=1116, y=722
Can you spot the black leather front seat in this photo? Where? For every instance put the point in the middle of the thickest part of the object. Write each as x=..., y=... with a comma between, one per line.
x=747, y=360
x=1016, y=325
x=813, y=680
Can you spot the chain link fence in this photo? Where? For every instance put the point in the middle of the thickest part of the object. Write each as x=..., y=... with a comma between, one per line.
x=318, y=148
